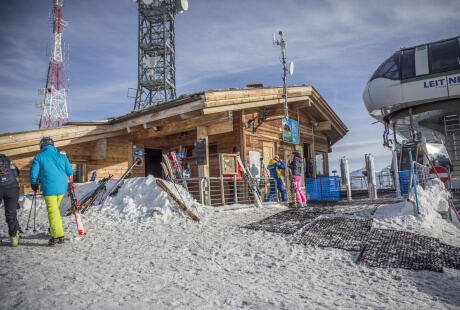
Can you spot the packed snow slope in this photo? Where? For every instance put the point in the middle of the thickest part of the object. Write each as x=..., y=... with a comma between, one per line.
x=142, y=252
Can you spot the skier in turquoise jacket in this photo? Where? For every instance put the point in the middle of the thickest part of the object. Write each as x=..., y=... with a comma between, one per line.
x=275, y=166
x=53, y=168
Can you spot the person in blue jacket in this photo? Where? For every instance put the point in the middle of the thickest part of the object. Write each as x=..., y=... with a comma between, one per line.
x=275, y=166
x=53, y=168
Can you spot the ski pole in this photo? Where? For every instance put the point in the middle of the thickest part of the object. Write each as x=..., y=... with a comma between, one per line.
x=35, y=213
x=30, y=212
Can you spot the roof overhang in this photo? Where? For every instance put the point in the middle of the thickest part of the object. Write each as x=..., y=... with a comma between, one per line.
x=213, y=109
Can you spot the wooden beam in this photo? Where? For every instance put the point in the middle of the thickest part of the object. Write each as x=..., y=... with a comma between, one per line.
x=202, y=133
x=323, y=126
x=220, y=128
x=100, y=149
x=63, y=133
x=251, y=105
x=36, y=147
x=189, y=107
x=232, y=96
x=185, y=125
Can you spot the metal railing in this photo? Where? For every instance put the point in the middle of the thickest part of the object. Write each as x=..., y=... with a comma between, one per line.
x=215, y=191
x=384, y=181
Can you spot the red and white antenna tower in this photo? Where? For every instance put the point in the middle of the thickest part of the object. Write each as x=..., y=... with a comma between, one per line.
x=54, y=107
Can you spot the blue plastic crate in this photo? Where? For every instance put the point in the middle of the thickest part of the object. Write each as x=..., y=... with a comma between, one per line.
x=313, y=187
x=404, y=179
x=330, y=188
x=323, y=188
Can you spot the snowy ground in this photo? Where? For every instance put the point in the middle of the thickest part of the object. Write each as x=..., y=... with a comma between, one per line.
x=142, y=252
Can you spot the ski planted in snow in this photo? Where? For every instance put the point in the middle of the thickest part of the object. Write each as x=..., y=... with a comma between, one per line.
x=253, y=186
x=74, y=207
x=174, y=168
x=166, y=172
x=180, y=203
x=119, y=183
x=172, y=174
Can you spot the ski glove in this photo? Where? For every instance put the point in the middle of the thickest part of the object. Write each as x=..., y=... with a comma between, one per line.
x=34, y=187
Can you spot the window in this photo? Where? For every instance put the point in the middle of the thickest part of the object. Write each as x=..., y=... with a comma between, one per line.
x=319, y=163
x=407, y=64
x=79, y=173
x=389, y=69
x=444, y=56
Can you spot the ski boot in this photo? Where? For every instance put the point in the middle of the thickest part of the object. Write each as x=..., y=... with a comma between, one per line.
x=53, y=241
x=15, y=239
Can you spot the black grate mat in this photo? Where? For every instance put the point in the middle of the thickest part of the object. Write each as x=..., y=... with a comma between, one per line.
x=289, y=221
x=343, y=233
x=400, y=249
x=450, y=256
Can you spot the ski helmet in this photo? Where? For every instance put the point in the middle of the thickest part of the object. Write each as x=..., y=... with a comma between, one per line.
x=180, y=155
x=46, y=141
x=277, y=158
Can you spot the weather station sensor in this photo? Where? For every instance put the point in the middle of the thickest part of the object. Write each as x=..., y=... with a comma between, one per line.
x=282, y=43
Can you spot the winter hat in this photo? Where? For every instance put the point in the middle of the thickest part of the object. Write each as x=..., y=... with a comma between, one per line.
x=235, y=149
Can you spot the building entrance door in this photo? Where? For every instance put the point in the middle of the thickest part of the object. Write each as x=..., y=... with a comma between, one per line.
x=152, y=160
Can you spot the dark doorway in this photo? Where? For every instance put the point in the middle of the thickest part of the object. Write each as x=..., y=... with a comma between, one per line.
x=307, y=151
x=152, y=162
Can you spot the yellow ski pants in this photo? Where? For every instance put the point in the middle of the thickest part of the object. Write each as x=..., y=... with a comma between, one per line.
x=54, y=215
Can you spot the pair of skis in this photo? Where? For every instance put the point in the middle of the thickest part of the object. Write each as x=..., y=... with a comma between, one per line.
x=172, y=169
x=253, y=186
x=74, y=207
x=161, y=184
x=119, y=183
x=89, y=198
x=74, y=204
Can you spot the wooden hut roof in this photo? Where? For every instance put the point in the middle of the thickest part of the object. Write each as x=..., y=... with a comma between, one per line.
x=212, y=107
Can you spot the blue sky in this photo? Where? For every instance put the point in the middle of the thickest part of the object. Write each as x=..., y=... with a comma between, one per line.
x=336, y=45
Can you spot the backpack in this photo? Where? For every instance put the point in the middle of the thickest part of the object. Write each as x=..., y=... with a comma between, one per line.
x=8, y=171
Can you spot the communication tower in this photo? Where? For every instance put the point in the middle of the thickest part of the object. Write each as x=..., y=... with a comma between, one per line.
x=156, y=51
x=54, y=107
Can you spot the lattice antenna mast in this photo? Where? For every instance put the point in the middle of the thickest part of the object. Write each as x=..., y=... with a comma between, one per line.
x=54, y=107
x=156, y=51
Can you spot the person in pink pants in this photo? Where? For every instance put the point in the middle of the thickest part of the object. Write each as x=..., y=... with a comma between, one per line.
x=296, y=168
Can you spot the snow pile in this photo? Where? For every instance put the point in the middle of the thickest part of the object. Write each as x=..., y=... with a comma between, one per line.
x=138, y=199
x=432, y=200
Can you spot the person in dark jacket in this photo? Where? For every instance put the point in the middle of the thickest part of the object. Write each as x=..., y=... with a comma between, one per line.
x=231, y=182
x=296, y=168
x=275, y=166
x=53, y=168
x=309, y=168
x=9, y=193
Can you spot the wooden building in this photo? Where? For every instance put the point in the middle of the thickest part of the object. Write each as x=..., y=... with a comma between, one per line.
x=250, y=118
